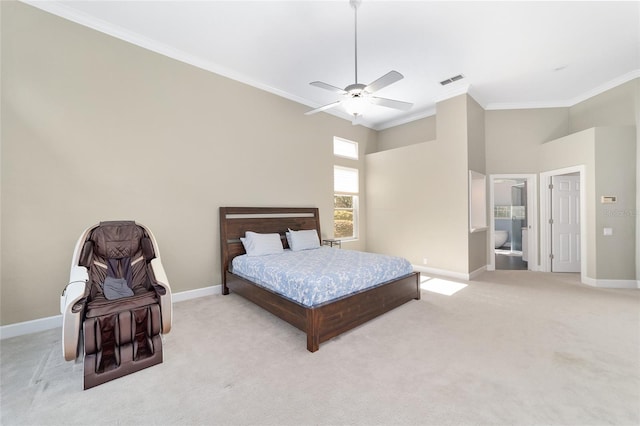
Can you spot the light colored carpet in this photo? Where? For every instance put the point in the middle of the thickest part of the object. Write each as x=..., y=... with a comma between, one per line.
x=511, y=348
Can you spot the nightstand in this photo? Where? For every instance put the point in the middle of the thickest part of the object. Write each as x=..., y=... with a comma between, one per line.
x=332, y=243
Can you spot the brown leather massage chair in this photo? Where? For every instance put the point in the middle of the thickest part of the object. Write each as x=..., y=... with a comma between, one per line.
x=117, y=303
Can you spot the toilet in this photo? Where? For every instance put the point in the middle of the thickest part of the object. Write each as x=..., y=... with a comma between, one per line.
x=500, y=237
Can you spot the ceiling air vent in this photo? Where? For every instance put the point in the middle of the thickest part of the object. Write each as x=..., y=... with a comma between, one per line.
x=452, y=79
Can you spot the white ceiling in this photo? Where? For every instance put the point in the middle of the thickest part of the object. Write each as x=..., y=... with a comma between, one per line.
x=512, y=54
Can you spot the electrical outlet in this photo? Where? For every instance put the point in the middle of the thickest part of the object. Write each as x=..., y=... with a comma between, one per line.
x=424, y=260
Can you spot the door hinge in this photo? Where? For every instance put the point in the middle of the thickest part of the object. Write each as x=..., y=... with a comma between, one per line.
x=551, y=256
x=551, y=221
x=550, y=186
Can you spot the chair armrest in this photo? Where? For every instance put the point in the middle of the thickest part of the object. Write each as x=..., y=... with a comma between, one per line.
x=71, y=319
x=166, y=305
x=79, y=273
x=78, y=279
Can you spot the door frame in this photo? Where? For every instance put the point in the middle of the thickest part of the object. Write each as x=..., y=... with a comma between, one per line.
x=545, y=215
x=532, y=218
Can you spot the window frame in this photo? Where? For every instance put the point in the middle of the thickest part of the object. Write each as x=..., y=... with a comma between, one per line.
x=344, y=141
x=354, y=201
x=354, y=211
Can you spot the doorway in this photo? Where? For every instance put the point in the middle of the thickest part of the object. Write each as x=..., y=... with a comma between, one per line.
x=513, y=242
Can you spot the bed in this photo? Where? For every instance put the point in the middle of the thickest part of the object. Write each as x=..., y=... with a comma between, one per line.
x=324, y=320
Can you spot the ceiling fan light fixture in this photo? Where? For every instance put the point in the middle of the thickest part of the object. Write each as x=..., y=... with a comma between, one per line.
x=355, y=105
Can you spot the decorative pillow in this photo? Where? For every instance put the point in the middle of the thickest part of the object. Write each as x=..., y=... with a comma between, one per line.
x=261, y=244
x=304, y=240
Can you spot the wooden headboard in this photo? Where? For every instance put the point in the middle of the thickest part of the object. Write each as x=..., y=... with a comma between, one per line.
x=235, y=221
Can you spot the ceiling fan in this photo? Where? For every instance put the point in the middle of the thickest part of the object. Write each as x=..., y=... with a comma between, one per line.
x=357, y=95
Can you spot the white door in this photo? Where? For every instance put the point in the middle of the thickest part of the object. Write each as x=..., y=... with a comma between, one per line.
x=565, y=223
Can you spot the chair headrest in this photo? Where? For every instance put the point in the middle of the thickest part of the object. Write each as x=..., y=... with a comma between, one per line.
x=117, y=239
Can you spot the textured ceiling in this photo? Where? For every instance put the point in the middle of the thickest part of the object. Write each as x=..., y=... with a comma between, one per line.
x=512, y=54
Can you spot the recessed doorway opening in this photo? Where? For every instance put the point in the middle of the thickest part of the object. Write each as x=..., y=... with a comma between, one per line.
x=512, y=222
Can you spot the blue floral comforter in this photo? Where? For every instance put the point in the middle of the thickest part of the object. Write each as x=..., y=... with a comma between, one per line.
x=312, y=277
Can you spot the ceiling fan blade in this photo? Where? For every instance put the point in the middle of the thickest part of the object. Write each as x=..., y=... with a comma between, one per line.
x=387, y=79
x=322, y=108
x=328, y=87
x=390, y=103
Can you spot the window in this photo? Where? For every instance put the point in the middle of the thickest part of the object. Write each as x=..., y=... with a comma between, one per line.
x=345, y=202
x=345, y=191
x=345, y=148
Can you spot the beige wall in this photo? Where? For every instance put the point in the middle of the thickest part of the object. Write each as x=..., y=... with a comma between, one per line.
x=636, y=89
x=417, y=194
x=513, y=137
x=452, y=197
x=608, y=156
x=478, y=241
x=94, y=128
x=615, y=107
x=418, y=131
x=619, y=106
x=403, y=216
x=615, y=153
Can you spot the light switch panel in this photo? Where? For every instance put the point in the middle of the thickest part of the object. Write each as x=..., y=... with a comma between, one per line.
x=607, y=231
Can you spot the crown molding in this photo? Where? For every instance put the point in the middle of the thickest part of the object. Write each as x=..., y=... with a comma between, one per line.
x=497, y=106
x=625, y=78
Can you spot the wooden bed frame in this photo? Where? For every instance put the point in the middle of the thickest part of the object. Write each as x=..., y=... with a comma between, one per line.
x=322, y=322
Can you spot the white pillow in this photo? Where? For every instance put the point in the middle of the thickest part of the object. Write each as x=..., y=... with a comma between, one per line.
x=261, y=244
x=304, y=240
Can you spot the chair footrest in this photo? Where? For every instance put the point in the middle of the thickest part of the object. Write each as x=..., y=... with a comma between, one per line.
x=121, y=343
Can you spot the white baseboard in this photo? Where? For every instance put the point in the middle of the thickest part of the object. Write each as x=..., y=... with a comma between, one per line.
x=600, y=283
x=474, y=274
x=194, y=294
x=28, y=327
x=450, y=274
x=42, y=324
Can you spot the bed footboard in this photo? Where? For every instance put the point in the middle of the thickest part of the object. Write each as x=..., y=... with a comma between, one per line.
x=329, y=320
